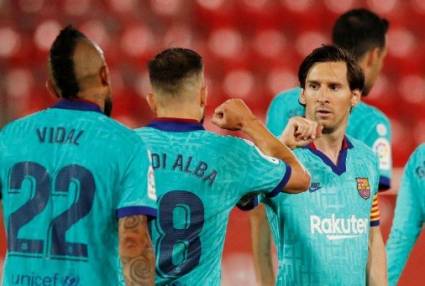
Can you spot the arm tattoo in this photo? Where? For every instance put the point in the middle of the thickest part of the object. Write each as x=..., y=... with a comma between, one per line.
x=132, y=222
x=136, y=251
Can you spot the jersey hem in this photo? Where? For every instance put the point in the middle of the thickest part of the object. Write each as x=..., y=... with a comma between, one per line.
x=281, y=184
x=136, y=210
x=384, y=183
x=375, y=223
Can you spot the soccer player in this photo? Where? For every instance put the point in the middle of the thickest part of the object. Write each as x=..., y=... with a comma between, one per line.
x=200, y=175
x=409, y=215
x=362, y=33
x=322, y=236
x=75, y=184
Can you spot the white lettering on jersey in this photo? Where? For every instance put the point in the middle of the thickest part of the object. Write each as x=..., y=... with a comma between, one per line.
x=382, y=149
x=339, y=228
x=151, y=179
x=151, y=184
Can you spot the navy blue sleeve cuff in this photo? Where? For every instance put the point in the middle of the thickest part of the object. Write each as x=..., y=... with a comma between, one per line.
x=251, y=204
x=375, y=223
x=282, y=183
x=384, y=183
x=130, y=211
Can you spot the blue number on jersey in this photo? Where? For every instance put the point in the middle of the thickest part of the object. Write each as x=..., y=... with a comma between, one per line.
x=187, y=236
x=60, y=248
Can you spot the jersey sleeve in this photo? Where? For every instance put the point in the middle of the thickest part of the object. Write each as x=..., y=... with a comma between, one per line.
x=137, y=194
x=379, y=139
x=262, y=173
x=408, y=217
x=374, y=212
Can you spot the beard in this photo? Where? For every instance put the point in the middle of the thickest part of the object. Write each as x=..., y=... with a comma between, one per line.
x=108, y=106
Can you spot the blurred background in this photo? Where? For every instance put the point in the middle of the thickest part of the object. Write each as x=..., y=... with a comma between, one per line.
x=251, y=49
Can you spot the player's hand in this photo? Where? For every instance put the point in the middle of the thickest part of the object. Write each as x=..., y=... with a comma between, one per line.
x=300, y=132
x=233, y=114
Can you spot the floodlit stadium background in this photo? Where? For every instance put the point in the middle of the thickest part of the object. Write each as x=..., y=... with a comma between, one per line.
x=251, y=49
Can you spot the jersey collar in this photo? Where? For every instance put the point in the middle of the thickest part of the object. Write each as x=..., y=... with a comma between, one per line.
x=77, y=104
x=340, y=167
x=176, y=124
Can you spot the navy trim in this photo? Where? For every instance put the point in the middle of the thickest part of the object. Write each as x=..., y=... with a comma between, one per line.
x=384, y=183
x=176, y=125
x=77, y=104
x=282, y=183
x=340, y=167
x=130, y=211
x=375, y=223
x=251, y=204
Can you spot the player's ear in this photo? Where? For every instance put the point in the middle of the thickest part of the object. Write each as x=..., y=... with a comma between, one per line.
x=302, y=97
x=151, y=101
x=372, y=56
x=51, y=88
x=104, y=76
x=356, y=96
x=203, y=95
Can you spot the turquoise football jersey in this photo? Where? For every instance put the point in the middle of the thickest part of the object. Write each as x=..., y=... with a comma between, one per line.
x=409, y=215
x=321, y=235
x=366, y=123
x=200, y=176
x=68, y=173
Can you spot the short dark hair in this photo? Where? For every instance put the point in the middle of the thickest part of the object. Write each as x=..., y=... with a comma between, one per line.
x=358, y=31
x=61, y=62
x=170, y=67
x=328, y=53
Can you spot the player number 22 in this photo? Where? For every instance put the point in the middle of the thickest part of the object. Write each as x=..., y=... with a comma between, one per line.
x=41, y=183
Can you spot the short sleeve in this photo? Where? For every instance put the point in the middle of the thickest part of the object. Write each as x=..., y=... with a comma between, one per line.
x=284, y=106
x=374, y=212
x=379, y=139
x=137, y=194
x=263, y=174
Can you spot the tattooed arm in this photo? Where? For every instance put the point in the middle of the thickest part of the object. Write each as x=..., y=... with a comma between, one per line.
x=136, y=251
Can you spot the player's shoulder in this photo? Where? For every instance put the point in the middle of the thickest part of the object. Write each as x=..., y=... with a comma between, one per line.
x=361, y=149
x=120, y=131
x=364, y=111
x=19, y=123
x=287, y=96
x=419, y=153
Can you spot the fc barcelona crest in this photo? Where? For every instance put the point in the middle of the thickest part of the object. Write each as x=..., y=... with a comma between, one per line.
x=363, y=187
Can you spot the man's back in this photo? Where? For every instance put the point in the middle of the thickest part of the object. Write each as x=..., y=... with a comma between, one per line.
x=366, y=123
x=200, y=176
x=64, y=174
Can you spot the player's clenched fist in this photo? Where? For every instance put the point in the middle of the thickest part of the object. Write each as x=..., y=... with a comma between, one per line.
x=300, y=132
x=233, y=114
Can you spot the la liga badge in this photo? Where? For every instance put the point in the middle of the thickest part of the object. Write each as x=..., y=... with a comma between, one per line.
x=363, y=187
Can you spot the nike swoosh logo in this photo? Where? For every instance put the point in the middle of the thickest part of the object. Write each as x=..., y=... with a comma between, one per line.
x=313, y=189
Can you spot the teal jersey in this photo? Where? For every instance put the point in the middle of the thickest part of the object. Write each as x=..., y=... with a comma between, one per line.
x=409, y=215
x=67, y=174
x=200, y=176
x=321, y=235
x=366, y=123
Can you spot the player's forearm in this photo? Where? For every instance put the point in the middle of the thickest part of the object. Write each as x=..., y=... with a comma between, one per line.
x=399, y=246
x=260, y=234
x=136, y=252
x=271, y=146
x=377, y=266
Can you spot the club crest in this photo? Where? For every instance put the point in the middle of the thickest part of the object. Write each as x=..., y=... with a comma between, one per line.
x=363, y=187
